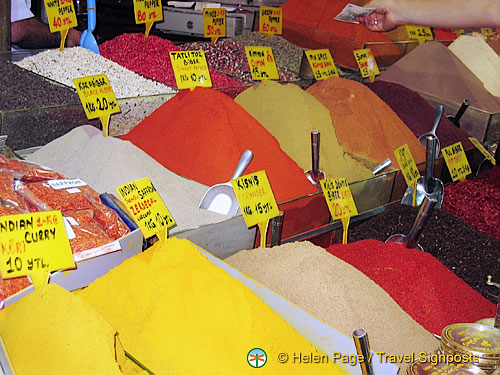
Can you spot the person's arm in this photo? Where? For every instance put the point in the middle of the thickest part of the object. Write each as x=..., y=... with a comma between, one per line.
x=434, y=13
x=31, y=33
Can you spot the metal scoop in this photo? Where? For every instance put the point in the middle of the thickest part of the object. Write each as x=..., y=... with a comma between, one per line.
x=87, y=40
x=410, y=241
x=456, y=119
x=315, y=174
x=220, y=198
x=437, y=119
x=427, y=186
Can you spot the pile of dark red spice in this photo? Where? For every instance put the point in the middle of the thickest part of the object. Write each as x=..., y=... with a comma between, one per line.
x=477, y=201
x=468, y=252
x=150, y=58
x=429, y=292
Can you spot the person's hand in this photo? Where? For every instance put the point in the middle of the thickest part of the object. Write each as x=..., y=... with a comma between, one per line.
x=382, y=18
x=73, y=38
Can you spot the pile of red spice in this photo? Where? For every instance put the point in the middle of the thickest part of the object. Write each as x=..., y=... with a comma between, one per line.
x=150, y=58
x=476, y=201
x=202, y=134
x=428, y=291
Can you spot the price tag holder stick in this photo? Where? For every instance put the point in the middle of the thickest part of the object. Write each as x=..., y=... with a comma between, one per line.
x=64, y=34
x=414, y=188
x=39, y=278
x=105, y=124
x=345, y=228
x=162, y=235
x=263, y=232
x=149, y=25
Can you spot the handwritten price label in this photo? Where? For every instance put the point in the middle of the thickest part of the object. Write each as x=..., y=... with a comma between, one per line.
x=339, y=198
x=148, y=11
x=97, y=96
x=421, y=33
x=190, y=69
x=271, y=21
x=32, y=243
x=214, y=22
x=483, y=150
x=262, y=63
x=255, y=197
x=407, y=164
x=366, y=62
x=60, y=14
x=457, y=162
x=145, y=206
x=322, y=64
x=487, y=31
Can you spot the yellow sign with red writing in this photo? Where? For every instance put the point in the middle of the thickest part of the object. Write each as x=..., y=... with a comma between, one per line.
x=271, y=20
x=366, y=63
x=214, y=23
x=420, y=33
x=34, y=243
x=148, y=12
x=61, y=17
x=190, y=69
x=262, y=63
x=457, y=162
x=322, y=64
x=146, y=207
x=407, y=164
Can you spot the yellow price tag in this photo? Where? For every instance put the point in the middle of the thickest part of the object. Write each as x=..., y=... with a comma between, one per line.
x=98, y=98
x=262, y=63
x=483, y=150
x=34, y=243
x=146, y=207
x=458, y=31
x=256, y=200
x=487, y=31
x=366, y=63
x=340, y=202
x=190, y=69
x=457, y=162
x=407, y=164
x=148, y=11
x=271, y=20
x=214, y=23
x=322, y=64
x=61, y=17
x=421, y=33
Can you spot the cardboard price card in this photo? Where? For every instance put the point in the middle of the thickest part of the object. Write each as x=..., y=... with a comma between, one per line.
x=407, y=164
x=61, y=17
x=262, y=63
x=271, y=20
x=339, y=198
x=322, y=64
x=457, y=162
x=255, y=197
x=33, y=243
x=190, y=69
x=483, y=150
x=366, y=63
x=421, y=33
x=214, y=23
x=145, y=206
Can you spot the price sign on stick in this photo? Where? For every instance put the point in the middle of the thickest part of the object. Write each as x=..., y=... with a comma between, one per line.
x=420, y=33
x=190, y=69
x=98, y=98
x=366, y=63
x=483, y=150
x=34, y=244
x=322, y=64
x=214, y=23
x=270, y=21
x=262, y=63
x=457, y=162
x=340, y=202
x=148, y=11
x=256, y=200
x=61, y=17
x=408, y=168
x=146, y=207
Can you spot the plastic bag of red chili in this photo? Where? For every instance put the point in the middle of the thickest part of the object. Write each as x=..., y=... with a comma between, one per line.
x=27, y=171
x=7, y=192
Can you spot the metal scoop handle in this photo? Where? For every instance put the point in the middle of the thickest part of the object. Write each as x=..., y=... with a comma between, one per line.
x=437, y=118
x=460, y=113
x=245, y=159
x=430, y=157
x=420, y=221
